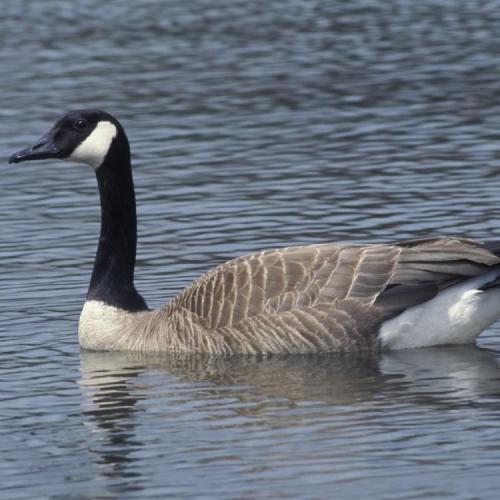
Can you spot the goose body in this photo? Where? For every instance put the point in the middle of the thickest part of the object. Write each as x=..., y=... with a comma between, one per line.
x=316, y=298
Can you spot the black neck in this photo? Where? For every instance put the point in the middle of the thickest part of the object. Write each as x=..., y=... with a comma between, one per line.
x=112, y=279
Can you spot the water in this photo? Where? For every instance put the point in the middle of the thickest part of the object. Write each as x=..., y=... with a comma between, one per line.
x=253, y=125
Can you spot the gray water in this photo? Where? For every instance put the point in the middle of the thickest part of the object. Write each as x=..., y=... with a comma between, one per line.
x=253, y=125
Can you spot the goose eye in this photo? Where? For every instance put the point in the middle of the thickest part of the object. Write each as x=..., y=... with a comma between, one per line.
x=80, y=124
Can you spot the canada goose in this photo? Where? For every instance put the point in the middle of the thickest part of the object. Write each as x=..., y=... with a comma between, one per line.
x=315, y=298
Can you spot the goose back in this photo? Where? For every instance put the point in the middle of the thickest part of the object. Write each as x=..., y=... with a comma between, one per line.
x=313, y=298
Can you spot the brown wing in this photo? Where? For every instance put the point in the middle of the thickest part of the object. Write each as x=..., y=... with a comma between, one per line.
x=277, y=280
x=323, y=297
x=284, y=279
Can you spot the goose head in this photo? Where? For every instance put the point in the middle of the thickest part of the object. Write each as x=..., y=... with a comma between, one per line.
x=85, y=136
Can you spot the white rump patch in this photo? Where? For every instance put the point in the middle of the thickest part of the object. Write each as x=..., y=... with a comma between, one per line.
x=95, y=147
x=457, y=315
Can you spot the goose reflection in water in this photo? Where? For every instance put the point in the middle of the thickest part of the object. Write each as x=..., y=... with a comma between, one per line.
x=209, y=394
x=110, y=412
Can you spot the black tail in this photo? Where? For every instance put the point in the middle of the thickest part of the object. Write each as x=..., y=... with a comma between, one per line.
x=493, y=247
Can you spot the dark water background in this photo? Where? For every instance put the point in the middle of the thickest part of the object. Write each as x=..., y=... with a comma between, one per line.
x=253, y=125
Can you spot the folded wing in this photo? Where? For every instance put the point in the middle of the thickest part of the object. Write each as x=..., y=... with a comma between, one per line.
x=324, y=297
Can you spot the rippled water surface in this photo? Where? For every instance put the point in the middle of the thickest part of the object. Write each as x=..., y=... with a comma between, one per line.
x=253, y=125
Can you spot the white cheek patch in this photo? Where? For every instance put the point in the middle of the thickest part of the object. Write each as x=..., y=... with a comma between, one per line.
x=95, y=147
